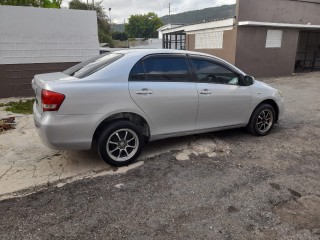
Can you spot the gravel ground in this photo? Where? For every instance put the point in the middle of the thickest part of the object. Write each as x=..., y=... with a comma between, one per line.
x=26, y=165
x=251, y=188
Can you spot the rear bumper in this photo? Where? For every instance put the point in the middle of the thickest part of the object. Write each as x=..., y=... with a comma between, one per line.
x=65, y=131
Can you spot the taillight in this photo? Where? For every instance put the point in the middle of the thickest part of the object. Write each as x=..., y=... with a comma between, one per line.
x=51, y=101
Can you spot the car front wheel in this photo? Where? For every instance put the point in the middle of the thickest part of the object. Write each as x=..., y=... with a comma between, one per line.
x=120, y=143
x=262, y=120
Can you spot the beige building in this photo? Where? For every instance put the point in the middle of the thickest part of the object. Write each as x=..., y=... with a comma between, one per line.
x=265, y=38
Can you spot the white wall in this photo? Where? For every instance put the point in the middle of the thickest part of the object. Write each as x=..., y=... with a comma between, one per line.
x=165, y=27
x=39, y=35
x=151, y=43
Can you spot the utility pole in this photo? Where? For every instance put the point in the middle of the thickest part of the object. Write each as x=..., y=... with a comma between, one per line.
x=169, y=14
x=92, y=4
x=110, y=16
x=124, y=25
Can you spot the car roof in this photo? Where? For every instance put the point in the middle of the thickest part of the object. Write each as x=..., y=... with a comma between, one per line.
x=144, y=52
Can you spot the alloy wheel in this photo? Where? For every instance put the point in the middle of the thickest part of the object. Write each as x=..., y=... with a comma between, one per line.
x=264, y=121
x=122, y=145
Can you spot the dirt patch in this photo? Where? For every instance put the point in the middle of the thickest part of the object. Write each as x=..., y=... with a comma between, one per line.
x=303, y=213
x=27, y=165
x=203, y=146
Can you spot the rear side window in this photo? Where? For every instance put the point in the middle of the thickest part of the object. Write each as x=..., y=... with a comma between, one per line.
x=92, y=65
x=161, y=69
x=137, y=72
x=167, y=69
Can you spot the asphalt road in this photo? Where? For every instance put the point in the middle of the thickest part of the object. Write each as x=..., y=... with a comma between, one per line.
x=261, y=188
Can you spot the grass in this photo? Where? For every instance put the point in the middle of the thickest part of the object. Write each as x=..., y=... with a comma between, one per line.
x=21, y=107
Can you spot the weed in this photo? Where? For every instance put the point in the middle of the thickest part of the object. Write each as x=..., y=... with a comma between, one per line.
x=21, y=107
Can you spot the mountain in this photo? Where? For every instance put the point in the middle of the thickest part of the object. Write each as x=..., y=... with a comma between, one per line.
x=205, y=14
x=194, y=16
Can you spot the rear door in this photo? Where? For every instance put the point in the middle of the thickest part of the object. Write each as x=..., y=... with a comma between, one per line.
x=162, y=86
x=222, y=100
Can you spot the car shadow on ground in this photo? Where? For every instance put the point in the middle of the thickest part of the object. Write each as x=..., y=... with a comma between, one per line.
x=158, y=147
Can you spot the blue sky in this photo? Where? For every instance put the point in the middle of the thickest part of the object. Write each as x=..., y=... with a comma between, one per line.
x=122, y=9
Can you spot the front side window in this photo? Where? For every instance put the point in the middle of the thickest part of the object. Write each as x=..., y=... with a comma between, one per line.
x=167, y=69
x=211, y=72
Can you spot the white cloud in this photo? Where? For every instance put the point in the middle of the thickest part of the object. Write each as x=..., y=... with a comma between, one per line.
x=122, y=9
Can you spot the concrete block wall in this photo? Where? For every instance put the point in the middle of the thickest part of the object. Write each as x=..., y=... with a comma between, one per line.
x=38, y=35
x=38, y=40
x=279, y=11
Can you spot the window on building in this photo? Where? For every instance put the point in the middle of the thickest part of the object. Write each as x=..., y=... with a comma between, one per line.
x=209, y=40
x=274, y=38
x=167, y=69
x=211, y=72
x=175, y=40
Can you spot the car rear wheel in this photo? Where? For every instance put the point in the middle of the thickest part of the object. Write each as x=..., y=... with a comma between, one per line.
x=120, y=143
x=262, y=120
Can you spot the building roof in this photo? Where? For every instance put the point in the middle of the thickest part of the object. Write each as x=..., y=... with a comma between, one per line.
x=217, y=23
x=169, y=26
x=282, y=25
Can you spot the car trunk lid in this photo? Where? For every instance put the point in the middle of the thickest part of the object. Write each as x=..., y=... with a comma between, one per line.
x=42, y=81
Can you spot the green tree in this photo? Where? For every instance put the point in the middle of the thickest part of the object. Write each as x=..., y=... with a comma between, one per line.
x=122, y=36
x=104, y=30
x=33, y=3
x=143, y=26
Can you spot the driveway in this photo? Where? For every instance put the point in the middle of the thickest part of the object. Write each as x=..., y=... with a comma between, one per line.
x=26, y=165
x=224, y=185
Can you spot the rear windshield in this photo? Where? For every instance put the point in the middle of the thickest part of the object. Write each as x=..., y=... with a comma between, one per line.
x=92, y=65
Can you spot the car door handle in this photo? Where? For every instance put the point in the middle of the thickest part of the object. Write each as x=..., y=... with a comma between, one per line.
x=144, y=91
x=205, y=92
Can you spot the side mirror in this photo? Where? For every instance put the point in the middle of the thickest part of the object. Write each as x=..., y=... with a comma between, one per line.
x=248, y=80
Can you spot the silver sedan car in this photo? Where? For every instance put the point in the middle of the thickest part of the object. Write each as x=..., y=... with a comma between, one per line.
x=121, y=100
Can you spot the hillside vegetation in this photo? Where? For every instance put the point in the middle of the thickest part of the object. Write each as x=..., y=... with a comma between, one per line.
x=205, y=14
x=194, y=16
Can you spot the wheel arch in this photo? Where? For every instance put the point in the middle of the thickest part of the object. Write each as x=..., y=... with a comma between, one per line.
x=271, y=102
x=127, y=116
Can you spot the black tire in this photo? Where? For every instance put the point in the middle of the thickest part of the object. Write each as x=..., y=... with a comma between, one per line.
x=255, y=126
x=109, y=135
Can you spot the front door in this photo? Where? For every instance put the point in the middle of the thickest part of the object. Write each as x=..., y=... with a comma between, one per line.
x=222, y=101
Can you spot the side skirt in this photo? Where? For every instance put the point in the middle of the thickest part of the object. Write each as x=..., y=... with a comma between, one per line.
x=194, y=132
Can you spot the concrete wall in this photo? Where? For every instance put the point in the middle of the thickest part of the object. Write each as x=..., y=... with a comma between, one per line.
x=15, y=79
x=38, y=40
x=255, y=59
x=279, y=11
x=38, y=35
x=246, y=46
x=151, y=43
x=251, y=54
x=228, y=50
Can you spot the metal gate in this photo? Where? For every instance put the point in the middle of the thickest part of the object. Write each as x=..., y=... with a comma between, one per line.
x=308, y=54
x=175, y=40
